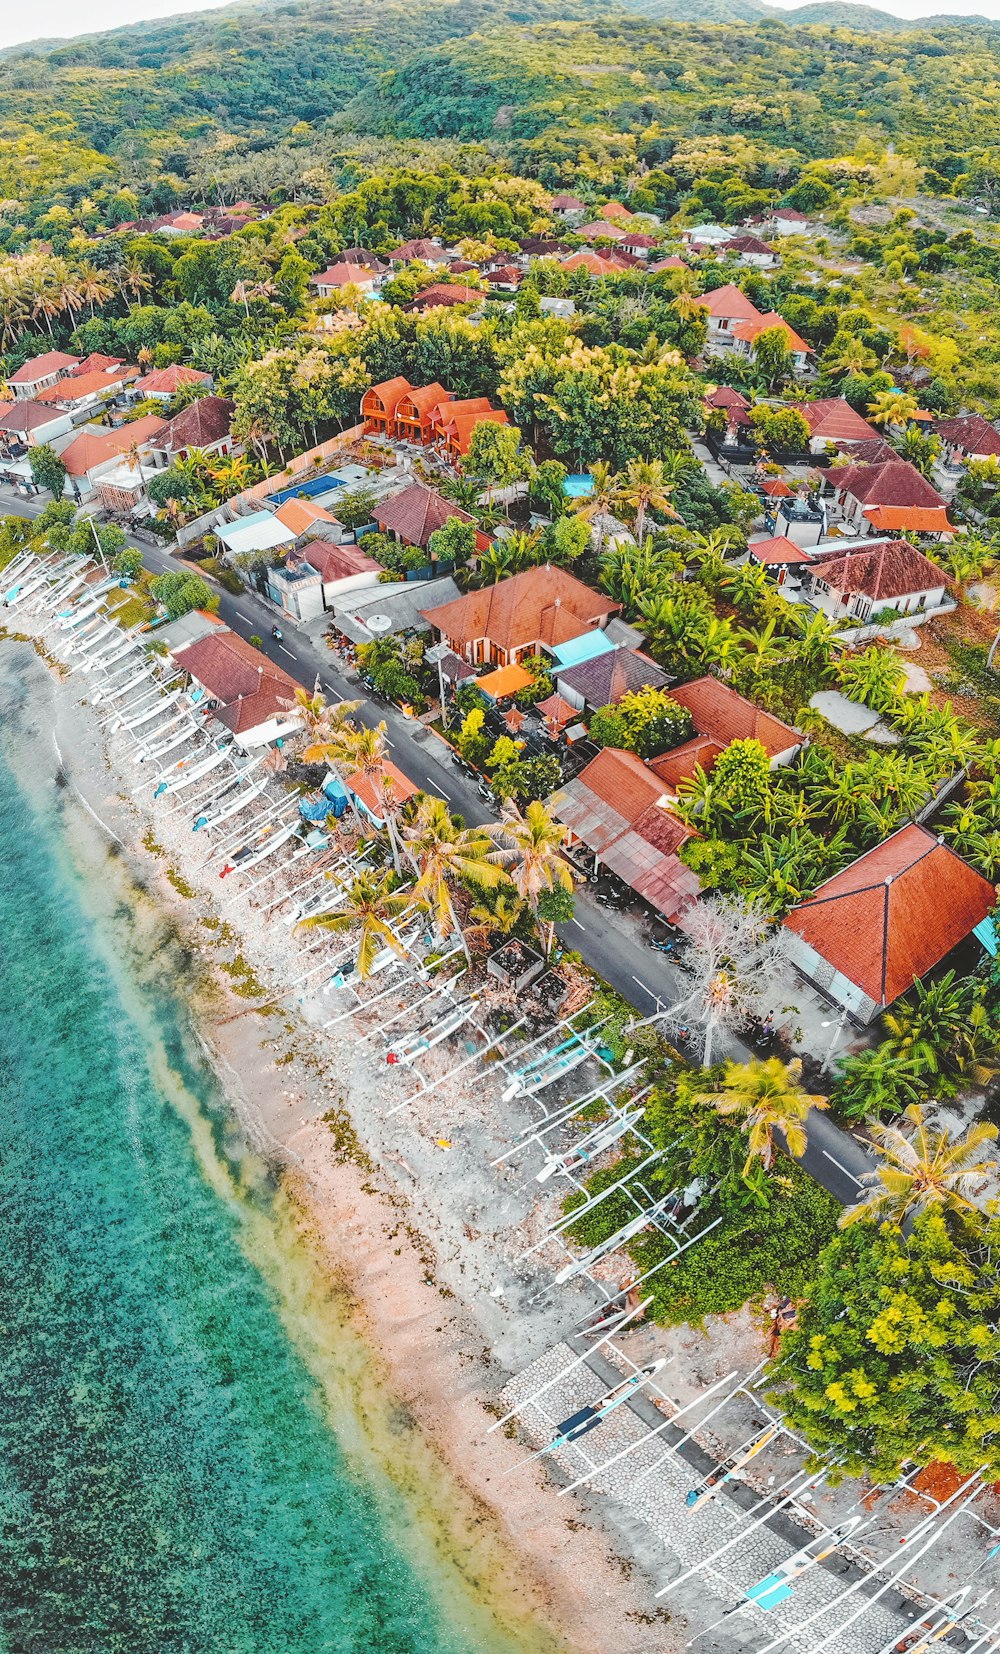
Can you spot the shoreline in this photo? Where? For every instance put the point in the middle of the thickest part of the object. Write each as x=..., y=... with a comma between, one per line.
x=420, y=1306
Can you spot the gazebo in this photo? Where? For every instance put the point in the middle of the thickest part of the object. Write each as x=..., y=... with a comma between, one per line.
x=557, y=713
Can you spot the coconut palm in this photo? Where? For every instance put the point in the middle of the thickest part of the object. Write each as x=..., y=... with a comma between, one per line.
x=600, y=503
x=500, y=919
x=924, y=1170
x=444, y=853
x=648, y=487
x=372, y=904
x=767, y=1099
x=852, y=356
x=892, y=408
x=94, y=286
x=530, y=849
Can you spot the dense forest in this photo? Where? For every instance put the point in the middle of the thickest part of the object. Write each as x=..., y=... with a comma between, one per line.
x=258, y=98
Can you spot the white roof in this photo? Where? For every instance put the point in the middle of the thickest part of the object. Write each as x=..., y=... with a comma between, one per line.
x=260, y=531
x=708, y=232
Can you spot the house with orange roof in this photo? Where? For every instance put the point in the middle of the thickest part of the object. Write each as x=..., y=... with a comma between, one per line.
x=247, y=693
x=95, y=450
x=302, y=517
x=720, y=716
x=831, y=419
x=870, y=932
x=79, y=392
x=40, y=372
x=594, y=263
x=379, y=795
x=524, y=615
x=415, y=411
x=457, y=429
x=864, y=493
x=330, y=283
x=379, y=403
x=164, y=383
x=746, y=334
x=726, y=308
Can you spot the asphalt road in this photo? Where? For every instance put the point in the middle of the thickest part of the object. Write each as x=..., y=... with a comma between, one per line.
x=607, y=941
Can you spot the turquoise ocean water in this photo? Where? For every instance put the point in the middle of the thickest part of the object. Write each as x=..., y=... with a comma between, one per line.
x=184, y=1462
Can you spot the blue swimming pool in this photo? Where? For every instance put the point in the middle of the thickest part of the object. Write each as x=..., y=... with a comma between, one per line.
x=307, y=490
x=578, y=485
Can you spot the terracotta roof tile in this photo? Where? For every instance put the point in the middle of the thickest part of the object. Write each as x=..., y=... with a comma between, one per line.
x=680, y=764
x=723, y=715
x=747, y=244
x=368, y=790
x=415, y=513
x=881, y=569
x=77, y=386
x=622, y=780
x=250, y=687
x=541, y=605
x=731, y=303
x=338, y=562
x=970, y=432
x=91, y=448
x=167, y=381
x=342, y=274
x=40, y=367
x=779, y=550
x=892, y=482
x=202, y=423
x=300, y=515
x=894, y=913
x=834, y=419
x=443, y=293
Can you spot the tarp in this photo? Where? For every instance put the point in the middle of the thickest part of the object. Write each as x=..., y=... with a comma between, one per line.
x=507, y=680
x=585, y=647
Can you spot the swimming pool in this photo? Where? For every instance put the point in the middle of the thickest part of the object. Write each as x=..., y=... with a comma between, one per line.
x=578, y=485
x=307, y=490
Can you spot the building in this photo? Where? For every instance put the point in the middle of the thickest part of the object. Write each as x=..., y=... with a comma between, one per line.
x=719, y=716
x=789, y=221
x=305, y=517
x=379, y=403
x=444, y=295
x=594, y=263
x=530, y=612
x=415, y=412
x=31, y=424
x=601, y=229
x=164, y=383
x=248, y=694
x=968, y=437
x=204, y=425
x=342, y=570
x=254, y=534
x=95, y=451
x=726, y=309
x=79, y=392
x=831, y=420
x=417, y=512
x=567, y=206
x=891, y=495
x=427, y=252
x=746, y=334
x=781, y=557
x=616, y=810
x=457, y=429
x=752, y=252
x=734, y=408
x=330, y=283
x=390, y=610
x=873, y=930
x=671, y=262
x=40, y=372
x=878, y=574
x=706, y=235
x=605, y=678
x=378, y=795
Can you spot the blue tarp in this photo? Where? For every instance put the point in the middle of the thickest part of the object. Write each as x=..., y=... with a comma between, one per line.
x=986, y=932
x=586, y=647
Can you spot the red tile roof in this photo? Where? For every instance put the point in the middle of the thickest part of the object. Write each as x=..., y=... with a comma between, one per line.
x=835, y=420
x=923, y=519
x=776, y=488
x=92, y=448
x=622, y=780
x=779, y=550
x=891, y=482
x=593, y=262
x=751, y=331
x=338, y=562
x=369, y=791
x=614, y=209
x=970, y=432
x=21, y=417
x=747, y=244
x=881, y=570
x=343, y=274
x=76, y=386
x=601, y=227
x=567, y=203
x=670, y=263
x=415, y=513
x=441, y=293
x=202, y=423
x=300, y=515
x=677, y=766
x=719, y=712
x=542, y=605
x=730, y=303
x=96, y=360
x=724, y=396
x=168, y=381
x=251, y=688
x=428, y=251
x=894, y=913
x=40, y=367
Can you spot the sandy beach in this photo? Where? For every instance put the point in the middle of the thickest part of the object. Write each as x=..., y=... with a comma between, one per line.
x=426, y=1237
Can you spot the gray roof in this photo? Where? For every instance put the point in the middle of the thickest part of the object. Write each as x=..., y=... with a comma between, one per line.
x=401, y=602
x=603, y=680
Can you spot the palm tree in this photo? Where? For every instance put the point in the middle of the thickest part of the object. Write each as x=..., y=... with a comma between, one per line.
x=602, y=499
x=530, y=848
x=373, y=904
x=852, y=356
x=764, y=650
x=892, y=408
x=925, y=1170
x=445, y=852
x=94, y=286
x=768, y=1100
x=648, y=487
x=502, y=919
